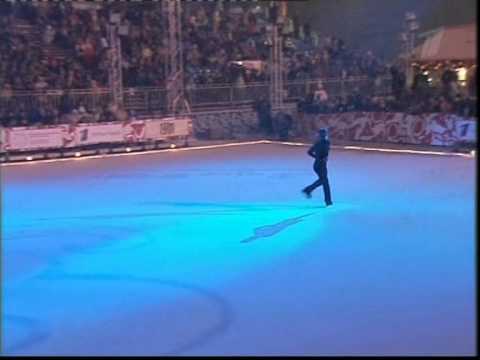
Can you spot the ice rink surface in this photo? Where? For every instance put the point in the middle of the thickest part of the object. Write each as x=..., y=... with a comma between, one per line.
x=216, y=252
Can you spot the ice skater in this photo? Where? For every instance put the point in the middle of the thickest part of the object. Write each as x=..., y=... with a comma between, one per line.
x=319, y=151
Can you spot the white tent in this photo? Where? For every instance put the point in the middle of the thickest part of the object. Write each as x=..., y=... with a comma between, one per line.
x=456, y=43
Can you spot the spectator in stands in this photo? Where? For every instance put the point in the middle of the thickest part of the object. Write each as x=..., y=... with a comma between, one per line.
x=320, y=95
x=263, y=109
x=449, y=80
x=282, y=124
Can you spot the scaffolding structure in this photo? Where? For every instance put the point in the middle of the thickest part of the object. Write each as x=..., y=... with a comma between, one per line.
x=174, y=75
x=115, y=69
x=408, y=38
x=276, y=56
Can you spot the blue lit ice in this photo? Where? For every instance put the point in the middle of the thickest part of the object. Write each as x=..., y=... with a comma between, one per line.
x=216, y=252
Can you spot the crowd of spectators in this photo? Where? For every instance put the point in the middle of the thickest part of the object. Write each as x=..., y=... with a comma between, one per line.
x=409, y=102
x=44, y=113
x=71, y=51
x=418, y=98
x=215, y=36
x=29, y=65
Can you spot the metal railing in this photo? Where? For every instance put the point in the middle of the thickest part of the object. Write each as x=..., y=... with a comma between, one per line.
x=26, y=100
x=200, y=97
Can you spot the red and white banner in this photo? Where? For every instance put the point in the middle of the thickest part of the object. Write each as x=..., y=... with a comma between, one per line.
x=134, y=131
x=427, y=129
x=87, y=134
x=442, y=128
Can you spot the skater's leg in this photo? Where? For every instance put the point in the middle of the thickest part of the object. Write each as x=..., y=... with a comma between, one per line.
x=309, y=189
x=314, y=185
x=320, y=169
x=326, y=192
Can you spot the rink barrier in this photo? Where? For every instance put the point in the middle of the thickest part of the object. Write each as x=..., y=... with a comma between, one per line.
x=387, y=150
x=64, y=137
x=444, y=131
x=441, y=130
x=396, y=128
x=470, y=155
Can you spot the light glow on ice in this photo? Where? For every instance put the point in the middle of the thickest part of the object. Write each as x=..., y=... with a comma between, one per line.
x=217, y=252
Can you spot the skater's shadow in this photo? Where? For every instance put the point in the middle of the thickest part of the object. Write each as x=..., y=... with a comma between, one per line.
x=274, y=229
x=231, y=206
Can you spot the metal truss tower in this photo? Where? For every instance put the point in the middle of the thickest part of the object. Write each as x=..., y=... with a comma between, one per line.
x=408, y=37
x=115, y=68
x=172, y=15
x=276, y=57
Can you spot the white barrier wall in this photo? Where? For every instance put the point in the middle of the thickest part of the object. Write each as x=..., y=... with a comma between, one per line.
x=24, y=138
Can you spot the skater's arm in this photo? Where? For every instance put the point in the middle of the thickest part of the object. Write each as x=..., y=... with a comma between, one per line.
x=311, y=151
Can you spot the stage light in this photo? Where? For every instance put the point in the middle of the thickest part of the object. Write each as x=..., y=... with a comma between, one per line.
x=173, y=146
x=29, y=158
x=462, y=74
x=128, y=149
x=77, y=154
x=473, y=153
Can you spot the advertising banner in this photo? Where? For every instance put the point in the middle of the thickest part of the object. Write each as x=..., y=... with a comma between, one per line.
x=22, y=138
x=466, y=130
x=160, y=129
x=4, y=139
x=426, y=129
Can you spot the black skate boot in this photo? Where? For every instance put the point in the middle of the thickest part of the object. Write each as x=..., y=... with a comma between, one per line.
x=307, y=193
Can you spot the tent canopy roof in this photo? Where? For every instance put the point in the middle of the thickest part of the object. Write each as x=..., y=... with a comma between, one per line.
x=451, y=43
